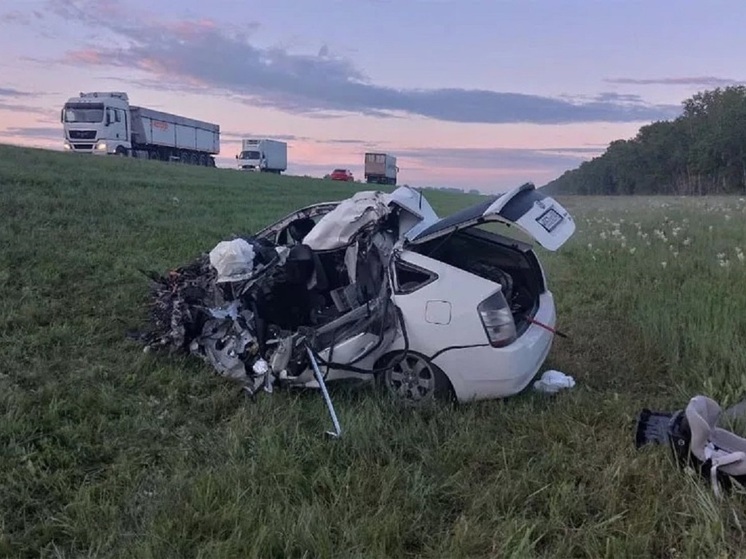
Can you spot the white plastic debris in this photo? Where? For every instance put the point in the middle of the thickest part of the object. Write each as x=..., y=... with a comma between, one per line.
x=553, y=381
x=233, y=260
x=260, y=367
x=229, y=311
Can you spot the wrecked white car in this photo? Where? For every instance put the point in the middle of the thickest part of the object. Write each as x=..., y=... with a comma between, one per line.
x=375, y=286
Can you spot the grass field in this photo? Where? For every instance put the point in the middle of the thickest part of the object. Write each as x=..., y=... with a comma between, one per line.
x=109, y=452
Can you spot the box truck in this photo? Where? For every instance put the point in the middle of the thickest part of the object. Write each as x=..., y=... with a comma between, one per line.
x=263, y=155
x=105, y=123
x=380, y=168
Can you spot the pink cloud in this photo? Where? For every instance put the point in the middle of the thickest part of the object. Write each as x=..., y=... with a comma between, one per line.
x=189, y=30
x=86, y=56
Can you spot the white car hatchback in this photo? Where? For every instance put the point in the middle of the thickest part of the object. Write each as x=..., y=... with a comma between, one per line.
x=383, y=288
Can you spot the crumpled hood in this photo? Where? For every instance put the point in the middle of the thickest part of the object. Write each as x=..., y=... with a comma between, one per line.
x=339, y=227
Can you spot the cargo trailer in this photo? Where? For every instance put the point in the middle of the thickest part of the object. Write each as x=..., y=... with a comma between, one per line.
x=105, y=123
x=380, y=168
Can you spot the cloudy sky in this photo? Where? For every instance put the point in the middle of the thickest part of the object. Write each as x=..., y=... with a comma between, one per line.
x=480, y=94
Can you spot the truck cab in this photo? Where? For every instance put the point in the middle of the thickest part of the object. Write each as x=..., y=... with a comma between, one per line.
x=250, y=160
x=98, y=123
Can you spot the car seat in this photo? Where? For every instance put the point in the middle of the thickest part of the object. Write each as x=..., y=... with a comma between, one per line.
x=717, y=448
x=303, y=264
x=300, y=227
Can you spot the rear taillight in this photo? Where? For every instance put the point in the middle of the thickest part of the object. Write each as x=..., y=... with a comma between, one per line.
x=497, y=320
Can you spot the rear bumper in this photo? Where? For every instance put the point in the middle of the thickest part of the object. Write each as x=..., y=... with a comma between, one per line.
x=479, y=373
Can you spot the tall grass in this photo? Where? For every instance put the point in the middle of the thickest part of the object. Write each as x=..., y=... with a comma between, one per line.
x=109, y=452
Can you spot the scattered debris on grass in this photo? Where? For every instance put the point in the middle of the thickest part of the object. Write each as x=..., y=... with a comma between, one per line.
x=553, y=381
x=697, y=440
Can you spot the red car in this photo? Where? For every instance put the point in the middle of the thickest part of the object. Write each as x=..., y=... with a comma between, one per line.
x=342, y=175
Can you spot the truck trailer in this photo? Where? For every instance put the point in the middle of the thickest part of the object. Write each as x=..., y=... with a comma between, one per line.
x=380, y=168
x=263, y=155
x=105, y=123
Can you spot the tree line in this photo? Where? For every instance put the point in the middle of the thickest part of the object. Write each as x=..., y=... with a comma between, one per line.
x=703, y=151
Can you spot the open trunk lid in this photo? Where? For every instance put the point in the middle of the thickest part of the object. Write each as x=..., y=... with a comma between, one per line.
x=532, y=211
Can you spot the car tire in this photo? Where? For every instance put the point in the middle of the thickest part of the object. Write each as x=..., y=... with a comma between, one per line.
x=120, y=152
x=415, y=380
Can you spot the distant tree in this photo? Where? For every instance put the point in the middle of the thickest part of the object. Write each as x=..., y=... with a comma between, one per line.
x=703, y=151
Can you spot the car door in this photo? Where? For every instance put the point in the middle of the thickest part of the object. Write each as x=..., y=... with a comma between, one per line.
x=537, y=214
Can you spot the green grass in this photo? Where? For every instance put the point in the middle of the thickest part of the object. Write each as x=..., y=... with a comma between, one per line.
x=106, y=451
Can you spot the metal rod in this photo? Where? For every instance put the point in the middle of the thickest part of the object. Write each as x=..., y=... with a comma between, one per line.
x=546, y=327
x=320, y=378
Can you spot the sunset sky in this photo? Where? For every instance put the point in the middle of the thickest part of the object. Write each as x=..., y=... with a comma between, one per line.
x=482, y=94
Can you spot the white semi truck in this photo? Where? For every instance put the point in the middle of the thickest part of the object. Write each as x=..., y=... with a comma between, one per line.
x=380, y=168
x=263, y=155
x=105, y=123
